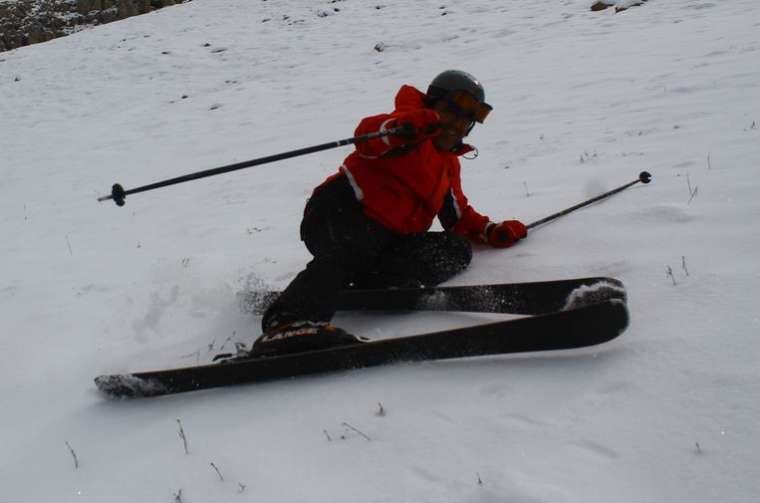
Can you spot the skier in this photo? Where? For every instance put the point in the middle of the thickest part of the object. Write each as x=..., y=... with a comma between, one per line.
x=367, y=226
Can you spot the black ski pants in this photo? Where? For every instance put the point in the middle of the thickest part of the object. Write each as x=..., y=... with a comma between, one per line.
x=353, y=251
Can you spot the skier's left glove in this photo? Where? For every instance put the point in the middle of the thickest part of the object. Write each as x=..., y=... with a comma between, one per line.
x=506, y=233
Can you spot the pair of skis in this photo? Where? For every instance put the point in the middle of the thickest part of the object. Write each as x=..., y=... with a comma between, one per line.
x=564, y=314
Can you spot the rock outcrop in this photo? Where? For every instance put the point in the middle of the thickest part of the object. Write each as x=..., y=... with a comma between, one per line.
x=24, y=22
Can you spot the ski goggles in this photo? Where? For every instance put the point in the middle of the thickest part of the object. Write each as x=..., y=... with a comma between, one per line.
x=465, y=105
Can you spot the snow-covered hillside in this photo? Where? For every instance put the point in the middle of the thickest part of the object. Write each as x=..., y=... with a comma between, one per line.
x=583, y=101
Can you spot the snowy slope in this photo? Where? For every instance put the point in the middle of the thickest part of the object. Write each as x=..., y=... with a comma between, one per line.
x=583, y=102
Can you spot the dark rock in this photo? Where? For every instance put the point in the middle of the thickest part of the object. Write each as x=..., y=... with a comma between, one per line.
x=605, y=4
x=621, y=9
x=600, y=5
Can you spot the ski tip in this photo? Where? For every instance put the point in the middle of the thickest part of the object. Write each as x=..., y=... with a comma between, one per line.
x=604, y=321
x=595, y=293
x=128, y=386
x=625, y=317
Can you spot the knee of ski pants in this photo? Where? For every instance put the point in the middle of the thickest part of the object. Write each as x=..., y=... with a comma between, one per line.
x=458, y=253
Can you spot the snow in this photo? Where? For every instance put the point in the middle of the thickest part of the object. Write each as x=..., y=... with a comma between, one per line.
x=582, y=103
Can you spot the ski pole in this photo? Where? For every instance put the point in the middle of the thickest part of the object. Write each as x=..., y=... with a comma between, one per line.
x=644, y=177
x=118, y=193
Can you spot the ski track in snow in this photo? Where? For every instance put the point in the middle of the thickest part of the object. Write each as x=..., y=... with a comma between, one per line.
x=582, y=103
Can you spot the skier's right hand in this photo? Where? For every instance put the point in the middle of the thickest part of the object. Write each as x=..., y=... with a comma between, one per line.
x=417, y=126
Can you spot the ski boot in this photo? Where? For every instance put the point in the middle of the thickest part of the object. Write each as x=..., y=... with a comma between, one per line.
x=300, y=336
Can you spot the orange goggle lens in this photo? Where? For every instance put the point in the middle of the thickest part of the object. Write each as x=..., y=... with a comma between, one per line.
x=465, y=105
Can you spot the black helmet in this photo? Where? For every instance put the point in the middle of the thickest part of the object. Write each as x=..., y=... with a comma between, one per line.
x=456, y=80
x=451, y=83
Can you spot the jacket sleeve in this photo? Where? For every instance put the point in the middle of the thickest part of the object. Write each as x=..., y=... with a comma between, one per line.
x=458, y=216
x=372, y=149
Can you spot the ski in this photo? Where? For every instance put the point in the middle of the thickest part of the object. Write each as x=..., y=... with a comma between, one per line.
x=583, y=326
x=514, y=298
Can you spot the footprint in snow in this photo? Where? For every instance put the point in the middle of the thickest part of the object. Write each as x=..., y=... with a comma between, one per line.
x=597, y=449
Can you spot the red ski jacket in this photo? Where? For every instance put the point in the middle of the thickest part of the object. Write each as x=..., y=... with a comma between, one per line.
x=405, y=188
